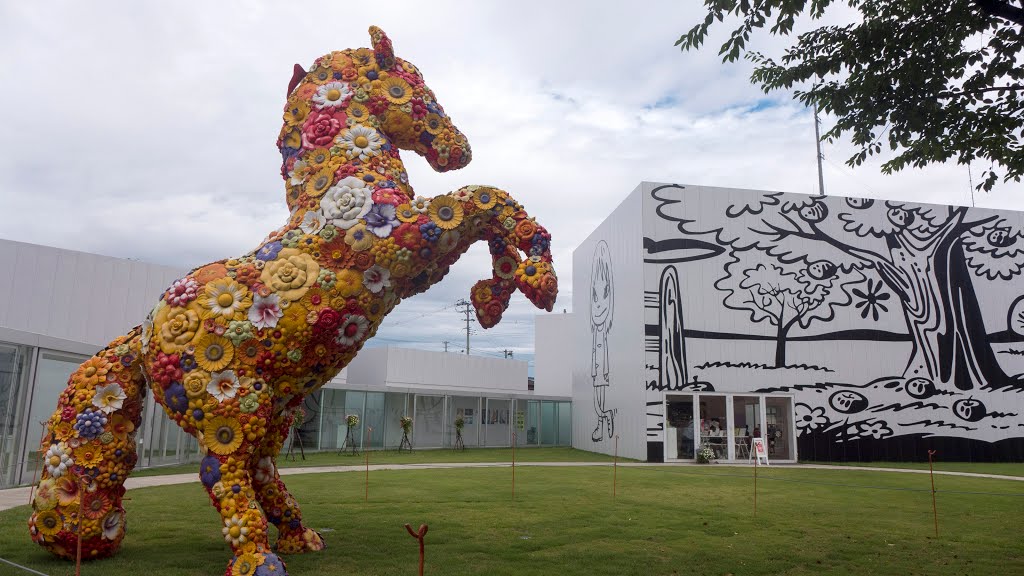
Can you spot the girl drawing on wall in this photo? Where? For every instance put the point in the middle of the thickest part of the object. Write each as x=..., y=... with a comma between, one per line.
x=602, y=305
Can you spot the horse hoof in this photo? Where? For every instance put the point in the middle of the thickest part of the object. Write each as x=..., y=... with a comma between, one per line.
x=256, y=564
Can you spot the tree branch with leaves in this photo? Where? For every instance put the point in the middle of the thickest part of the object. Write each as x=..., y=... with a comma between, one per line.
x=931, y=80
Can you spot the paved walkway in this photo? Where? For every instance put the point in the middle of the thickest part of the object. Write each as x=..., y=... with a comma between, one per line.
x=18, y=496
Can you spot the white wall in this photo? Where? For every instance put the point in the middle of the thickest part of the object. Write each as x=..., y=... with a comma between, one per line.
x=622, y=233
x=457, y=374
x=552, y=367
x=74, y=301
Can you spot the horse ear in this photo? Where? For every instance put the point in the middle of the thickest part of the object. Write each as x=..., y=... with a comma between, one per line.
x=382, y=48
x=297, y=75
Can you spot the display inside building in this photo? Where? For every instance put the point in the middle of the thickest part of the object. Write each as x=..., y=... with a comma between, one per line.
x=848, y=327
x=231, y=349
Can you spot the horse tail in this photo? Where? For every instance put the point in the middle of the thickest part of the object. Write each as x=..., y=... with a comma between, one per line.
x=88, y=451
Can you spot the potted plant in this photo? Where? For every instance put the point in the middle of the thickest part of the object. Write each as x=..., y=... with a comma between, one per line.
x=406, y=423
x=460, y=423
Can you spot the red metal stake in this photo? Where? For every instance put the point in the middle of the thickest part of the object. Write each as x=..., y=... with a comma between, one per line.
x=418, y=536
x=615, y=467
x=755, y=485
x=935, y=510
x=366, y=451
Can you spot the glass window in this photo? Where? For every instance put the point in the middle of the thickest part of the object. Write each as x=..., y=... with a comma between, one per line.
x=679, y=430
x=428, y=423
x=13, y=362
x=374, y=416
x=533, y=422
x=467, y=408
x=746, y=414
x=779, y=423
x=713, y=425
x=496, y=425
x=548, y=427
x=564, y=424
x=395, y=406
x=332, y=420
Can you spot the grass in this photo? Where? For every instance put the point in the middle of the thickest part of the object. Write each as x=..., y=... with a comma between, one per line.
x=693, y=520
x=332, y=458
x=1002, y=468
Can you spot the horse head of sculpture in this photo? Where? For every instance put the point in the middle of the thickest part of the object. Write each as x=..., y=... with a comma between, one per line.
x=353, y=111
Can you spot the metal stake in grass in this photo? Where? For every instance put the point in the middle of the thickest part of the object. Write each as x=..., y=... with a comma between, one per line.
x=755, y=486
x=32, y=487
x=418, y=536
x=513, y=466
x=615, y=467
x=82, y=508
x=935, y=510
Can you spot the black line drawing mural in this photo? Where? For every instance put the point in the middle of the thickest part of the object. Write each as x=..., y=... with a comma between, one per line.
x=602, y=309
x=900, y=272
x=786, y=294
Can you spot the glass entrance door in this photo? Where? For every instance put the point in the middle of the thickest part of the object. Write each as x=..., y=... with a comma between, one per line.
x=679, y=427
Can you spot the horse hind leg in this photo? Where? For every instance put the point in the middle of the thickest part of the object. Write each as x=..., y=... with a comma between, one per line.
x=280, y=506
x=87, y=453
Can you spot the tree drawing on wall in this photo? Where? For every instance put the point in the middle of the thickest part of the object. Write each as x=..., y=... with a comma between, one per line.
x=786, y=294
x=928, y=257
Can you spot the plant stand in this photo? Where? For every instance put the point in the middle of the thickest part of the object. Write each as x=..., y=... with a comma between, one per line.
x=296, y=439
x=458, y=440
x=405, y=442
x=349, y=443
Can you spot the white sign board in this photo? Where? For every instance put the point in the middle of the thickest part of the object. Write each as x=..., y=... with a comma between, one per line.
x=757, y=450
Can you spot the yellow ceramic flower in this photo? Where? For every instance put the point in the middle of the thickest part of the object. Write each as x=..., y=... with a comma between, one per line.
x=222, y=435
x=295, y=112
x=49, y=522
x=195, y=383
x=359, y=238
x=176, y=327
x=46, y=495
x=214, y=352
x=485, y=198
x=291, y=274
x=446, y=212
x=225, y=298
x=433, y=124
x=350, y=282
x=406, y=213
x=319, y=182
x=357, y=113
x=246, y=564
x=396, y=90
x=317, y=157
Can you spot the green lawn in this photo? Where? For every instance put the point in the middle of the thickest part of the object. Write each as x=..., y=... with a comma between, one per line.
x=415, y=457
x=693, y=520
x=1003, y=468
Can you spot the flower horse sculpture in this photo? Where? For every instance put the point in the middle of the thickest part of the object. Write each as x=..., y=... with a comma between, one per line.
x=231, y=349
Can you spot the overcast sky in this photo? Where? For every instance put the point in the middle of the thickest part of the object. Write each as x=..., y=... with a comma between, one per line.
x=147, y=130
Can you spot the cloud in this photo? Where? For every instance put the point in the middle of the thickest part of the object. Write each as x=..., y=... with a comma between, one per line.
x=147, y=131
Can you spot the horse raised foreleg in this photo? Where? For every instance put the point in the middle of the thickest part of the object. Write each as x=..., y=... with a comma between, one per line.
x=281, y=507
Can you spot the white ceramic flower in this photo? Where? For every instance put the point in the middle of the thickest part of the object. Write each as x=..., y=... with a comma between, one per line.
x=420, y=204
x=298, y=174
x=346, y=202
x=109, y=398
x=235, y=531
x=332, y=94
x=361, y=141
x=376, y=278
x=223, y=385
x=58, y=459
x=352, y=329
x=264, y=470
x=112, y=524
x=265, y=311
x=313, y=222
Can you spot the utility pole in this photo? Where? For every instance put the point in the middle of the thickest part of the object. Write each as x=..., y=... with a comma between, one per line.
x=465, y=307
x=817, y=143
x=508, y=354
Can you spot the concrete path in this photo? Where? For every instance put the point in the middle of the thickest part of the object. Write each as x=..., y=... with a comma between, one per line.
x=18, y=496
